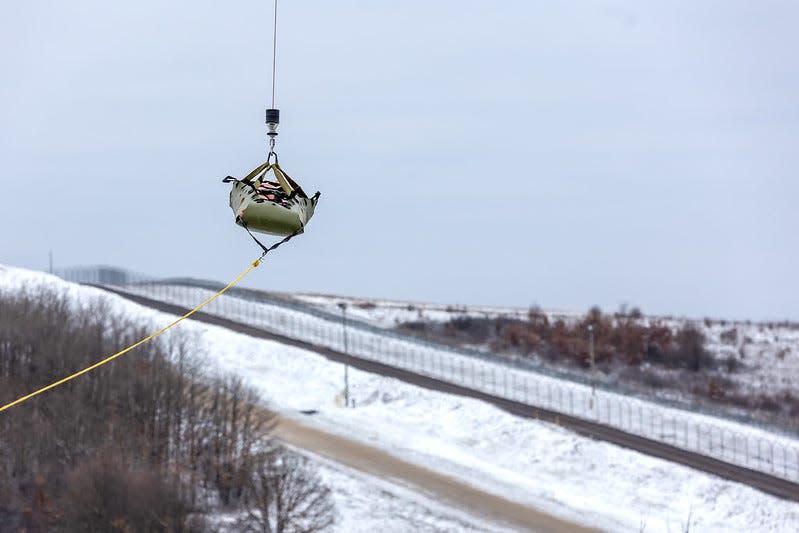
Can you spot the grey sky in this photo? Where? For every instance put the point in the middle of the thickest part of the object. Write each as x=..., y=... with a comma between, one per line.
x=569, y=153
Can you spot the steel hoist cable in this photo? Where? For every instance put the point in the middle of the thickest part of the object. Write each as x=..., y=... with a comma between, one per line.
x=272, y=119
x=274, y=55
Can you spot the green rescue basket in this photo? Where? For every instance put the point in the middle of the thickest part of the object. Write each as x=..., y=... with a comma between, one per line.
x=277, y=207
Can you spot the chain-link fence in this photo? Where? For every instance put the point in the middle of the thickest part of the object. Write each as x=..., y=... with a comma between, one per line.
x=721, y=439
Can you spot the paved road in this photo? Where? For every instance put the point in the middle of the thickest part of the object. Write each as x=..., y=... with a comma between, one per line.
x=759, y=480
x=381, y=464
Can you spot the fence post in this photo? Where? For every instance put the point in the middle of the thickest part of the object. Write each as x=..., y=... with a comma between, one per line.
x=746, y=446
x=771, y=449
x=640, y=418
x=526, y=390
x=652, y=421
x=685, y=433
x=784, y=461
x=474, y=375
x=513, y=387
x=571, y=401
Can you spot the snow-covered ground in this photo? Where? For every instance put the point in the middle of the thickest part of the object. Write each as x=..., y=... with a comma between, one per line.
x=524, y=460
x=723, y=439
x=768, y=354
x=367, y=504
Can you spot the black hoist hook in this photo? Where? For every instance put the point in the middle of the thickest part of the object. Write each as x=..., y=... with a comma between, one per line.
x=272, y=120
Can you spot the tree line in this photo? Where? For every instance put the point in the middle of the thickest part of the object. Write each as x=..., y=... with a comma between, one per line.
x=151, y=442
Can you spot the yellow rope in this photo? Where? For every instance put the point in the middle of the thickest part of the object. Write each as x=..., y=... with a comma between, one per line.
x=120, y=353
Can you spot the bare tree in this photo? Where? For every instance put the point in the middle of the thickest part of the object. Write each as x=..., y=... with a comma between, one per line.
x=149, y=443
x=287, y=496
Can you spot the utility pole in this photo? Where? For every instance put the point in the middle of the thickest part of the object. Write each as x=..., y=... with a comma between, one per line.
x=51, y=261
x=593, y=361
x=343, y=307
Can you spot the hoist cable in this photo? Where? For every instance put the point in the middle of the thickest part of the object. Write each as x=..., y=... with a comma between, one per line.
x=274, y=55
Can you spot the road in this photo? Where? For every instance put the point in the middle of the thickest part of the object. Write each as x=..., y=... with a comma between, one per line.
x=759, y=480
x=383, y=465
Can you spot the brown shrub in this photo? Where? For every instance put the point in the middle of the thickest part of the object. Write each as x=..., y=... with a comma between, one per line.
x=689, y=350
x=715, y=390
x=729, y=336
x=104, y=494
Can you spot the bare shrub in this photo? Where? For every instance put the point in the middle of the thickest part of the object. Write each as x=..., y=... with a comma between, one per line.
x=287, y=496
x=537, y=318
x=716, y=390
x=729, y=336
x=416, y=326
x=689, y=350
x=768, y=403
x=103, y=494
x=731, y=364
x=653, y=380
x=470, y=329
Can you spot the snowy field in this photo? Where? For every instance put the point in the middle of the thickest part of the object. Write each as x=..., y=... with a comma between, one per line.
x=767, y=353
x=527, y=461
x=722, y=439
x=390, y=313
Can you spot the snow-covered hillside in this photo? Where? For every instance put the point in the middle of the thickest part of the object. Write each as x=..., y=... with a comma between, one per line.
x=390, y=313
x=534, y=463
x=681, y=426
x=764, y=356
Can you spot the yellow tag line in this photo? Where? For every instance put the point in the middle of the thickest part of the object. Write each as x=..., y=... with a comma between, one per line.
x=120, y=353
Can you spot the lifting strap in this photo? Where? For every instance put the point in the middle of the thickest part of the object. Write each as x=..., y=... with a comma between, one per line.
x=285, y=181
x=270, y=248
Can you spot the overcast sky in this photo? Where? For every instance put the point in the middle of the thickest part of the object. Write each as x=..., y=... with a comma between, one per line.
x=561, y=153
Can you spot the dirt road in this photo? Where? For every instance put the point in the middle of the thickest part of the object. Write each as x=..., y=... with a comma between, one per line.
x=378, y=463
